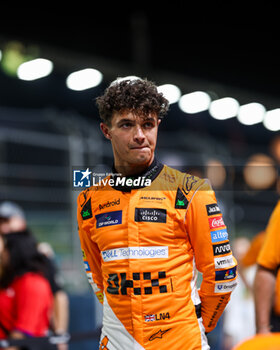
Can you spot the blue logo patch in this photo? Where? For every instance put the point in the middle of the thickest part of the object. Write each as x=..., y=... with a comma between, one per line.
x=224, y=275
x=81, y=178
x=219, y=236
x=109, y=219
x=86, y=265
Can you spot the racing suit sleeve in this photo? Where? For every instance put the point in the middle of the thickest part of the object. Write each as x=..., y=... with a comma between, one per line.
x=250, y=258
x=209, y=239
x=267, y=276
x=90, y=250
x=269, y=256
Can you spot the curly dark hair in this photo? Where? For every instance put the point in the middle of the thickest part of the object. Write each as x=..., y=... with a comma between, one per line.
x=139, y=96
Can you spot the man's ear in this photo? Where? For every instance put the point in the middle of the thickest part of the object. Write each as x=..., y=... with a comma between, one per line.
x=158, y=122
x=105, y=130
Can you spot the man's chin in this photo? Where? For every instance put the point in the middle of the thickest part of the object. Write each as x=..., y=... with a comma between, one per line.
x=142, y=158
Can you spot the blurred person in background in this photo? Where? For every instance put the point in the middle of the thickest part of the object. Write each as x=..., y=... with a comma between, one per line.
x=143, y=240
x=249, y=259
x=239, y=315
x=26, y=299
x=267, y=279
x=12, y=219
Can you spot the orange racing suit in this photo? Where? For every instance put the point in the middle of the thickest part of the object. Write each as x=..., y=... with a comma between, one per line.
x=141, y=248
x=269, y=256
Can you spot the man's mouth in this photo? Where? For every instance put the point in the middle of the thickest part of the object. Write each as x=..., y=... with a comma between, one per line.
x=139, y=147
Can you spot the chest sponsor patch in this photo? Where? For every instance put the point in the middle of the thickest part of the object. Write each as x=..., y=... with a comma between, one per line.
x=135, y=253
x=224, y=275
x=150, y=215
x=213, y=209
x=181, y=201
x=86, y=211
x=225, y=286
x=219, y=236
x=216, y=222
x=109, y=219
x=220, y=249
x=224, y=262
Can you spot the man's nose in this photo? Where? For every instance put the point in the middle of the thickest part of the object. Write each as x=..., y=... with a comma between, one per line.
x=139, y=135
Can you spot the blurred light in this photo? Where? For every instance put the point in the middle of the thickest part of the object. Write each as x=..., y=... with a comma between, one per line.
x=260, y=172
x=14, y=53
x=173, y=159
x=0, y=55
x=194, y=102
x=34, y=69
x=251, y=113
x=216, y=173
x=171, y=92
x=224, y=108
x=272, y=120
x=84, y=79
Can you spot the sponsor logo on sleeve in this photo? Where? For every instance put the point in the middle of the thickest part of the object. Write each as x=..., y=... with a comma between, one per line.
x=225, y=286
x=84, y=254
x=86, y=265
x=213, y=209
x=100, y=296
x=109, y=219
x=223, y=275
x=221, y=249
x=89, y=277
x=216, y=222
x=219, y=236
x=223, y=262
x=150, y=215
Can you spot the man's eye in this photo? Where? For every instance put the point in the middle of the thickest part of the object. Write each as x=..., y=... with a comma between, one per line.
x=148, y=125
x=125, y=125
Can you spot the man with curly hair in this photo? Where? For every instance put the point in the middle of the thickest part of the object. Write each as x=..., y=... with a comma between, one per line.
x=146, y=230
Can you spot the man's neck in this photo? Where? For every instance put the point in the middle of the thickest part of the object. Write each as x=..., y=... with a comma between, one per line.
x=148, y=172
x=132, y=169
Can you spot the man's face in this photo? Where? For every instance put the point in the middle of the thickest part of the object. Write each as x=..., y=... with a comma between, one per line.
x=133, y=138
x=12, y=224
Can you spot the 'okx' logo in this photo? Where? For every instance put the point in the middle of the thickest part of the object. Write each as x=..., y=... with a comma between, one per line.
x=81, y=178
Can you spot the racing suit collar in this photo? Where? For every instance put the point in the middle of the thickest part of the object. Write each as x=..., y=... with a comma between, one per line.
x=150, y=173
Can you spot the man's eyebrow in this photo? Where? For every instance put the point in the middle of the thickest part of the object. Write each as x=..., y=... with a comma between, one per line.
x=132, y=121
x=126, y=120
x=149, y=119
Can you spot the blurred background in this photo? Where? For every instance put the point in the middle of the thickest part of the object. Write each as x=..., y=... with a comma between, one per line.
x=224, y=120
